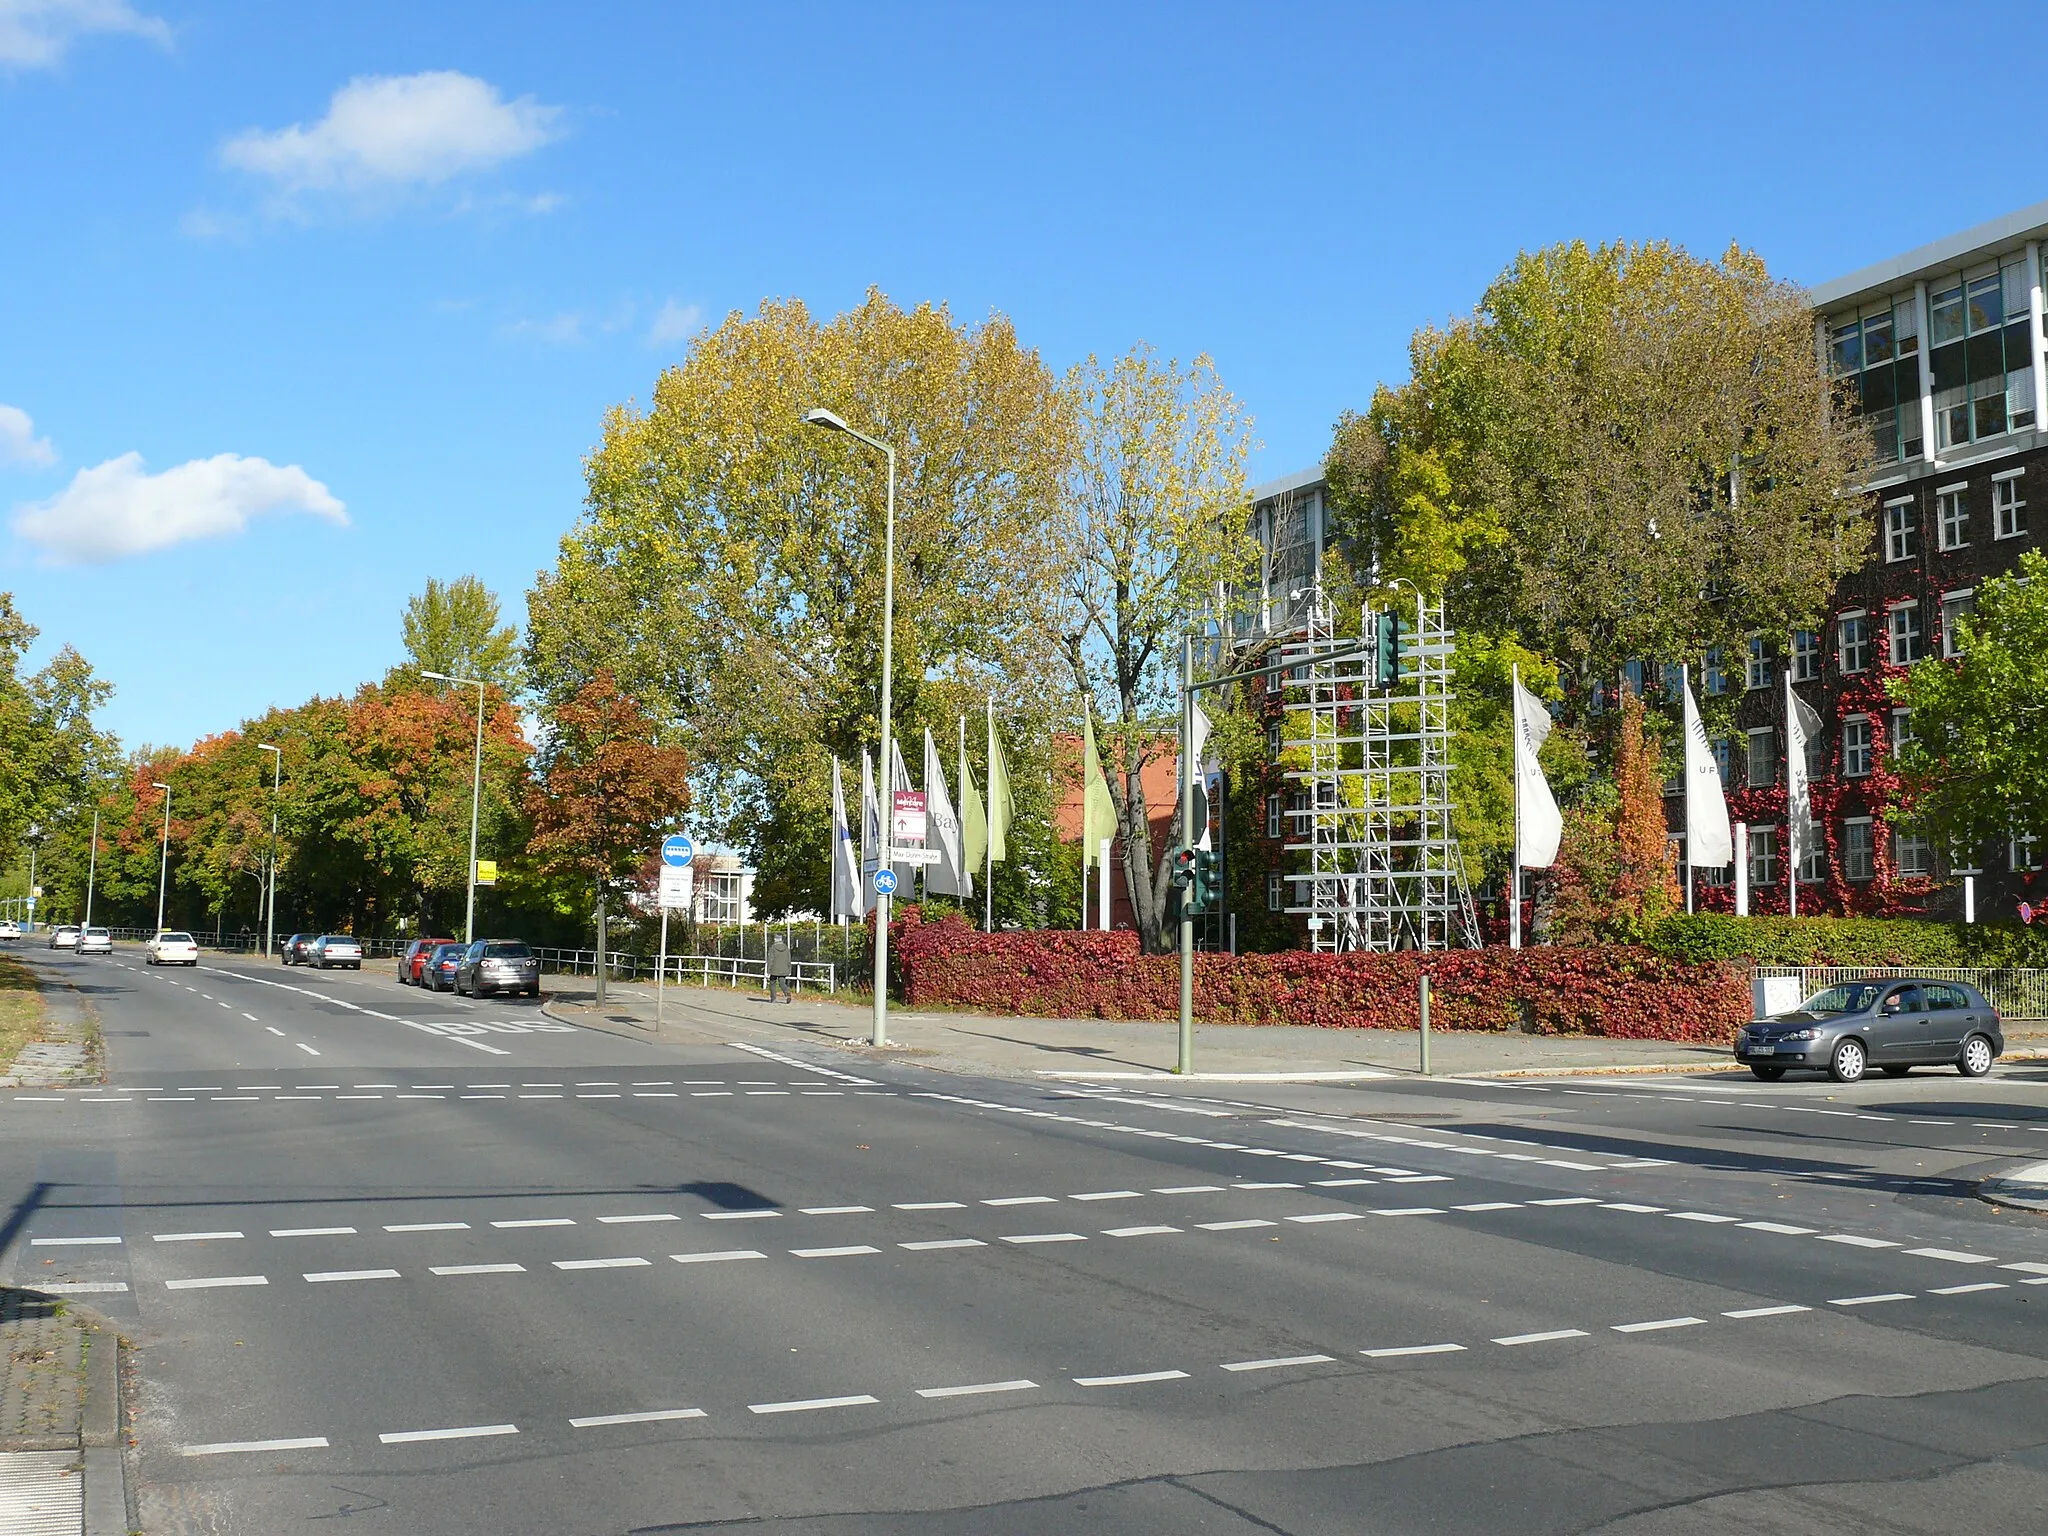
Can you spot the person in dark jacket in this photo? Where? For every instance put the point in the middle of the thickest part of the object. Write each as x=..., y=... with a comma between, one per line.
x=779, y=969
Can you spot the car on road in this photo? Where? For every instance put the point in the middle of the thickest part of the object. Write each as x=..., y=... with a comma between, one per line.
x=172, y=947
x=414, y=960
x=95, y=941
x=438, y=974
x=498, y=965
x=9, y=928
x=1892, y=1024
x=332, y=949
x=293, y=950
x=64, y=937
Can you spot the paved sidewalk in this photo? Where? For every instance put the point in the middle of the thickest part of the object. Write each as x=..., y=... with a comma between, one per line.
x=60, y=1463
x=1006, y=1046
x=68, y=1055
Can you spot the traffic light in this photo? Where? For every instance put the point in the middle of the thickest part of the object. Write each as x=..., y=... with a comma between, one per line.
x=1205, y=894
x=1387, y=650
x=1184, y=870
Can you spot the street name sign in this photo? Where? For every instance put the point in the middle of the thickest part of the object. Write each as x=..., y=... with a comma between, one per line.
x=913, y=855
x=673, y=891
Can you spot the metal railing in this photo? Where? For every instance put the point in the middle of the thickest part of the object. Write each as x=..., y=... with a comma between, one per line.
x=709, y=970
x=2016, y=992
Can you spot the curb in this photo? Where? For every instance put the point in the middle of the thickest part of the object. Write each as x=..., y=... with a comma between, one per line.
x=106, y=1468
x=2020, y=1189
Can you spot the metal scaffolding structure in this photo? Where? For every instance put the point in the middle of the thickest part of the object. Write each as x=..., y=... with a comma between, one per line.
x=1374, y=812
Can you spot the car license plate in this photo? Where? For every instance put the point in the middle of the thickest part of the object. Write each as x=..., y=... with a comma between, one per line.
x=1763, y=1050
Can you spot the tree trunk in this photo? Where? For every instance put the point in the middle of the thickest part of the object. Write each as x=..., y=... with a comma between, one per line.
x=1148, y=872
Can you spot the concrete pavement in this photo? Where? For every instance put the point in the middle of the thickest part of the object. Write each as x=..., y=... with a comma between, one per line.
x=442, y=1266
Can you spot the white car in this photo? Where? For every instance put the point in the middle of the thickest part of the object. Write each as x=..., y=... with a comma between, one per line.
x=95, y=941
x=9, y=929
x=172, y=947
x=65, y=937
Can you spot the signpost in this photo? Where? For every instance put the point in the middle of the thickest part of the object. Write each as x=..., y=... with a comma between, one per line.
x=673, y=891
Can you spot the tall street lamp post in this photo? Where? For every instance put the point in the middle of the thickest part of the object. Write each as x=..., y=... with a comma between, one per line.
x=270, y=903
x=819, y=417
x=163, y=869
x=35, y=837
x=92, y=867
x=476, y=791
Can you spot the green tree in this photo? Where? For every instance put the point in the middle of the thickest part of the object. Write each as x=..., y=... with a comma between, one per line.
x=53, y=759
x=453, y=629
x=728, y=567
x=1625, y=452
x=1152, y=525
x=1970, y=776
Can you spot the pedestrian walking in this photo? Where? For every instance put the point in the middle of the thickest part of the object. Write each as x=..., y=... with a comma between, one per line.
x=779, y=969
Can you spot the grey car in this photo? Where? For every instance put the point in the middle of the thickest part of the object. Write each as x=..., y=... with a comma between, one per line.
x=1893, y=1025
x=498, y=965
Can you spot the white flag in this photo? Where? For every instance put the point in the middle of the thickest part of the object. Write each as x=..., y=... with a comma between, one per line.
x=870, y=832
x=1802, y=725
x=1198, y=746
x=1537, y=822
x=949, y=876
x=1709, y=841
x=846, y=881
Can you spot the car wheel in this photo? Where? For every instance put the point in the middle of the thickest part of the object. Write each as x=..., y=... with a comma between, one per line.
x=1895, y=1071
x=1977, y=1056
x=1768, y=1074
x=1849, y=1062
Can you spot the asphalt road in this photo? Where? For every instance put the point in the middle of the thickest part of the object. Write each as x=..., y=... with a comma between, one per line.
x=436, y=1266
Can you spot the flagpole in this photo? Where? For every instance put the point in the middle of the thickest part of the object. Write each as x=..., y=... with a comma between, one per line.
x=1685, y=687
x=1084, y=814
x=1515, y=852
x=1791, y=836
x=988, y=890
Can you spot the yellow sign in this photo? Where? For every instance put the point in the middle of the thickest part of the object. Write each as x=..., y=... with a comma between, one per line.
x=486, y=871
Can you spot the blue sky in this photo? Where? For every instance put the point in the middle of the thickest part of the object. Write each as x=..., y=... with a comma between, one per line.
x=356, y=283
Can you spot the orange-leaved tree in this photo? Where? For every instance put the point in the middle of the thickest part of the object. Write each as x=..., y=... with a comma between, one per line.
x=605, y=792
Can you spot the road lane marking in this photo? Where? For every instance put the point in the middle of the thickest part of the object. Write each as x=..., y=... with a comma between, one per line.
x=466, y=1432
x=1413, y=1349
x=1136, y=1378
x=1280, y=1364
x=273, y=1029
x=81, y=1287
x=1779, y=1227
x=652, y=1416
x=194, y=1237
x=1234, y=1226
x=1965, y=1290
x=931, y=1205
x=602, y=1263
x=736, y=1215
x=323, y=1276
x=538, y=1221
x=1749, y=1312
x=1049, y=1237
x=1951, y=1255
x=979, y=1388
x=1865, y=1301
x=476, y=1269
x=70, y=1242
x=1138, y=1231
x=1707, y=1216
x=1547, y=1337
x=1175, y=1189
x=1660, y=1324
x=1410, y=1210
x=649, y=1216
x=429, y=1226
x=717, y=1258
x=832, y=1253
x=1625, y=1205
x=215, y=1280
x=1853, y=1241
x=807, y=1405
x=1329, y=1216
x=943, y=1242
x=1108, y=1194
x=234, y=1447
x=1493, y=1205
x=838, y=1210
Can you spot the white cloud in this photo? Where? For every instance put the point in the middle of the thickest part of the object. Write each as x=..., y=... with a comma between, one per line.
x=397, y=130
x=116, y=509
x=563, y=330
x=18, y=441
x=676, y=322
x=37, y=33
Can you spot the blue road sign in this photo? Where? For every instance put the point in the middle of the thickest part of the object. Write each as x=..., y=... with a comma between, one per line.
x=885, y=881
x=677, y=851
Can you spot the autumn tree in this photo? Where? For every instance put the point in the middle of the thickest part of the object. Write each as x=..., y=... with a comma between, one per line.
x=1152, y=523
x=52, y=757
x=728, y=567
x=452, y=628
x=1624, y=452
x=605, y=793
x=1616, y=876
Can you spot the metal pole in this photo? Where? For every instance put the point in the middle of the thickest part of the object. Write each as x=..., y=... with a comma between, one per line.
x=1423, y=991
x=1186, y=1063
x=988, y=879
x=882, y=898
x=660, y=970
x=93, y=866
x=270, y=905
x=163, y=871
x=1685, y=690
x=476, y=793
x=32, y=881
x=1515, y=848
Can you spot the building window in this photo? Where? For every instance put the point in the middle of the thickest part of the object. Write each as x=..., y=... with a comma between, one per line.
x=1981, y=356
x=1757, y=671
x=1763, y=757
x=1856, y=746
x=1954, y=606
x=1901, y=530
x=1817, y=754
x=1674, y=678
x=1859, y=849
x=1813, y=862
x=2023, y=852
x=1763, y=856
x=1716, y=671
x=1273, y=822
x=1805, y=655
x=2008, y=507
x=1953, y=512
x=1852, y=641
x=1275, y=900
x=1724, y=758
x=1906, y=646
x=1272, y=741
x=1913, y=855
x=1902, y=731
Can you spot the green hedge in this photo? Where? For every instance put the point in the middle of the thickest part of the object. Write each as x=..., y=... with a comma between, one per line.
x=1847, y=941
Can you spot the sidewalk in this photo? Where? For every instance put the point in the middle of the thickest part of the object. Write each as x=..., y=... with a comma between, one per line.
x=60, y=1458
x=1004, y=1046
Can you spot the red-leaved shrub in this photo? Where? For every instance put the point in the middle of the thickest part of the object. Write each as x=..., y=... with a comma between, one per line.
x=1622, y=991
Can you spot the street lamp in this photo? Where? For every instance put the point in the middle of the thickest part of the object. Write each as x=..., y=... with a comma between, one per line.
x=476, y=790
x=35, y=837
x=270, y=907
x=163, y=870
x=92, y=868
x=817, y=416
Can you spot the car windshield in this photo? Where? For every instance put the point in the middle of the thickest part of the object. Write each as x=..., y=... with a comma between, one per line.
x=508, y=952
x=1849, y=997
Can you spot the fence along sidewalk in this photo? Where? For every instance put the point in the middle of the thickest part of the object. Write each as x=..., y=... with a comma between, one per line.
x=2017, y=992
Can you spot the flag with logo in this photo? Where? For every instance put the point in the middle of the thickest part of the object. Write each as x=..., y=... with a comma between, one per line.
x=1537, y=822
x=846, y=881
x=1709, y=839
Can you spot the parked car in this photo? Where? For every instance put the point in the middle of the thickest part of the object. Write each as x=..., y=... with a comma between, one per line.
x=9, y=928
x=1893, y=1025
x=95, y=941
x=498, y=965
x=438, y=974
x=172, y=947
x=414, y=960
x=332, y=949
x=65, y=937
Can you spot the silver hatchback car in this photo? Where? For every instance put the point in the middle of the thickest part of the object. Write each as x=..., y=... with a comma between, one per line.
x=1893, y=1025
